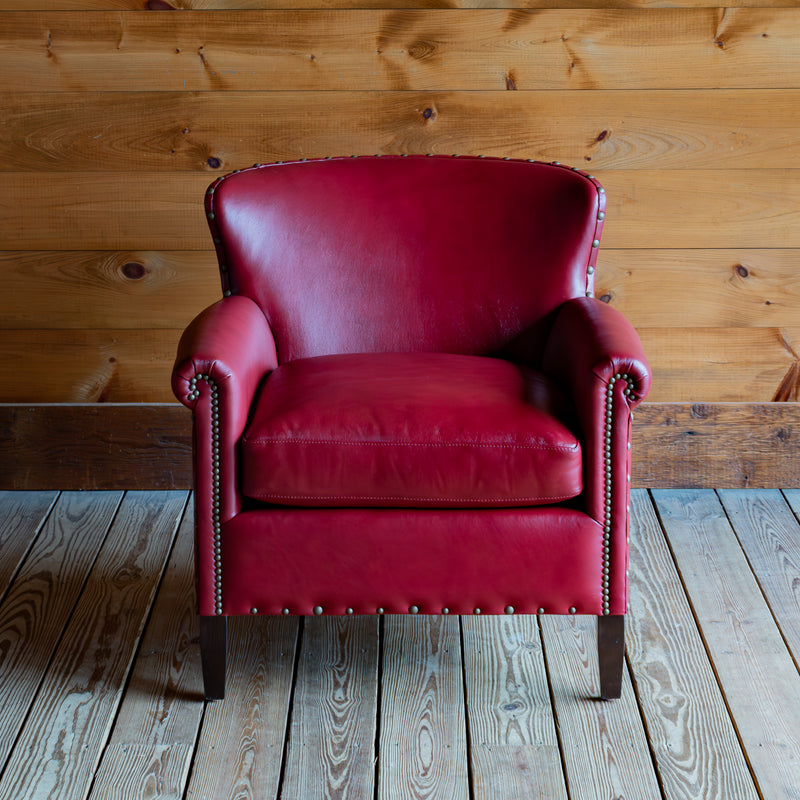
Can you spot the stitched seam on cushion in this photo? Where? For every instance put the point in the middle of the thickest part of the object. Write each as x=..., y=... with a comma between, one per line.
x=269, y=495
x=558, y=447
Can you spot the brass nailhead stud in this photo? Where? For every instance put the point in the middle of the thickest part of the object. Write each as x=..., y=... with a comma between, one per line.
x=476, y=611
x=349, y=611
x=540, y=611
x=317, y=610
x=509, y=609
x=284, y=611
x=445, y=611
x=254, y=611
x=379, y=611
x=572, y=610
x=413, y=610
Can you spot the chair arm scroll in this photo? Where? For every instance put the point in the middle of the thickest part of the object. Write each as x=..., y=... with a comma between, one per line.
x=223, y=356
x=596, y=355
x=591, y=341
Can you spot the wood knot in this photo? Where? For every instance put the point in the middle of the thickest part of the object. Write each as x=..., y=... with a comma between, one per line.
x=134, y=271
x=420, y=50
x=159, y=5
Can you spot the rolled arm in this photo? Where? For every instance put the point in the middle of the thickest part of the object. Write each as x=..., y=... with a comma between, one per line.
x=222, y=358
x=596, y=355
x=590, y=341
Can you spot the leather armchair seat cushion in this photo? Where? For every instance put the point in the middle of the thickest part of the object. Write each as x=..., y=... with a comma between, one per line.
x=409, y=430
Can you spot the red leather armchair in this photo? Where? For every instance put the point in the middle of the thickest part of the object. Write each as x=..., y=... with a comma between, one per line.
x=408, y=400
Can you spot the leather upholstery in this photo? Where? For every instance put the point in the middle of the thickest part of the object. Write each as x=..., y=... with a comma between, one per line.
x=412, y=430
x=399, y=254
x=366, y=559
x=370, y=298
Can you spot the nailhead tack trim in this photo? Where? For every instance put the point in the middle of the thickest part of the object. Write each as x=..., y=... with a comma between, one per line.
x=194, y=394
x=607, y=493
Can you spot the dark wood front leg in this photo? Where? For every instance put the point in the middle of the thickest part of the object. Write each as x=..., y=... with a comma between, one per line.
x=611, y=653
x=213, y=655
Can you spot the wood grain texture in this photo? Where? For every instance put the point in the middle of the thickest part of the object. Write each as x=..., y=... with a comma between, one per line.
x=150, y=751
x=691, y=288
x=23, y=516
x=422, y=748
x=604, y=746
x=96, y=446
x=726, y=288
x=241, y=744
x=107, y=446
x=151, y=748
x=104, y=211
x=73, y=712
x=416, y=48
x=514, y=749
x=758, y=676
x=146, y=772
x=331, y=751
x=708, y=445
x=57, y=290
x=715, y=365
x=163, y=700
x=770, y=536
x=41, y=599
x=83, y=366
x=691, y=735
x=658, y=209
x=720, y=364
x=93, y=131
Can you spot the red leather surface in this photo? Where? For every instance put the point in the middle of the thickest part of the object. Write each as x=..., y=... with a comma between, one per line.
x=409, y=429
x=589, y=344
x=367, y=559
x=230, y=342
x=434, y=254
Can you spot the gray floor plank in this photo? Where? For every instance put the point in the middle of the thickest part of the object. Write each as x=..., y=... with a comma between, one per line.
x=62, y=739
x=513, y=743
x=690, y=730
x=334, y=715
x=606, y=755
x=756, y=672
x=423, y=751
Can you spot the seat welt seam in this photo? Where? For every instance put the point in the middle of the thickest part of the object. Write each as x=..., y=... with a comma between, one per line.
x=403, y=443
x=272, y=496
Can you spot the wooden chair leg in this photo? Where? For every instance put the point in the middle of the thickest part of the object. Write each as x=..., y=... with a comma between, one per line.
x=611, y=652
x=213, y=653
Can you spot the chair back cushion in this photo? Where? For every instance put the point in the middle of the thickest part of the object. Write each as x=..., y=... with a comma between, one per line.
x=439, y=254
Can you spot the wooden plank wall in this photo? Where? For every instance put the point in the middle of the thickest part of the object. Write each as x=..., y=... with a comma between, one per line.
x=116, y=114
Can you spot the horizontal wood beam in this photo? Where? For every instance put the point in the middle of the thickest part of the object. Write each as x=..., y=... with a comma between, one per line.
x=148, y=446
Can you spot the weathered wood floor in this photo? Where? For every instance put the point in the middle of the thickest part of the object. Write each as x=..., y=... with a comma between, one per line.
x=100, y=685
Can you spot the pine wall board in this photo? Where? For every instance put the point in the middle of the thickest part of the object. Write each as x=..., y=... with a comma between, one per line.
x=116, y=114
